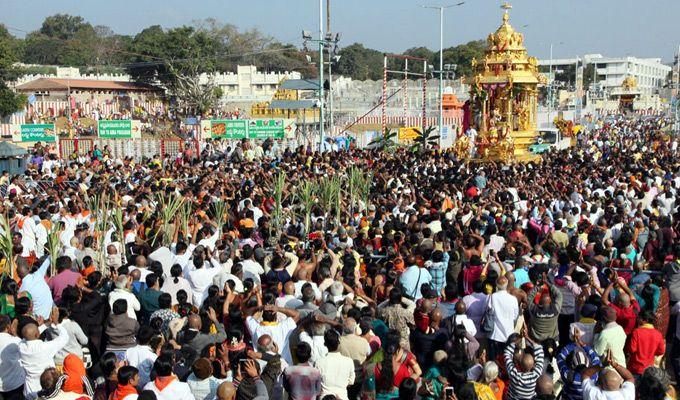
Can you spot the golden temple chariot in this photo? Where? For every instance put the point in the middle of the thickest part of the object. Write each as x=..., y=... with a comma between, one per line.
x=504, y=95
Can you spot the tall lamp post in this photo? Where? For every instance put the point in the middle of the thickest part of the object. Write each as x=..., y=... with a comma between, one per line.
x=441, y=56
x=323, y=42
x=332, y=59
x=550, y=86
x=677, y=95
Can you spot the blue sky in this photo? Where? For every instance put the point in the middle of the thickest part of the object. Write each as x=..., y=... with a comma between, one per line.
x=610, y=27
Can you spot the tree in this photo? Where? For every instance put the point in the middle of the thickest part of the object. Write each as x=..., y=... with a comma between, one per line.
x=422, y=52
x=61, y=40
x=176, y=59
x=63, y=26
x=462, y=55
x=10, y=102
x=386, y=141
x=425, y=139
x=358, y=62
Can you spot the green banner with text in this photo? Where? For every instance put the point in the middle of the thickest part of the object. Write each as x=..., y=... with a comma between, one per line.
x=115, y=129
x=36, y=133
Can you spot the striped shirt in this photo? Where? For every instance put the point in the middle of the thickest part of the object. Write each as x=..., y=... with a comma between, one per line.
x=523, y=384
x=573, y=383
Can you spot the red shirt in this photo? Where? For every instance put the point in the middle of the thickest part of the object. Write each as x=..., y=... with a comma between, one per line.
x=645, y=343
x=627, y=317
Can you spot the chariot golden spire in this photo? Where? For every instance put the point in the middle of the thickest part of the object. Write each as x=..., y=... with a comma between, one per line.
x=503, y=94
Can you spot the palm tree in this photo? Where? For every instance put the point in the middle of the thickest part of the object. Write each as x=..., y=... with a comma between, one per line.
x=386, y=141
x=425, y=139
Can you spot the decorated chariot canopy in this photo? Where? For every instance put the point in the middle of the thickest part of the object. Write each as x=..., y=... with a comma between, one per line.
x=504, y=96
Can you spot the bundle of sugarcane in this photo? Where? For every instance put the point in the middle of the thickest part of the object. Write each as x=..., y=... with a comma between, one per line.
x=359, y=187
x=365, y=184
x=167, y=206
x=54, y=246
x=306, y=197
x=185, y=213
x=220, y=210
x=6, y=246
x=328, y=191
x=98, y=206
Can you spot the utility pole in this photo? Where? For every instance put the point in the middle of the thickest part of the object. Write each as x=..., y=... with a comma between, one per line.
x=441, y=59
x=321, y=94
x=677, y=94
x=323, y=42
x=330, y=68
x=550, y=87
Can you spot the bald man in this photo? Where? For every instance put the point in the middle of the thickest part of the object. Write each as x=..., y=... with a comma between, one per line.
x=626, y=306
x=612, y=337
x=616, y=383
x=460, y=318
x=288, y=299
x=504, y=312
x=36, y=355
x=197, y=340
x=353, y=345
x=302, y=277
x=34, y=283
x=545, y=388
x=523, y=377
x=226, y=391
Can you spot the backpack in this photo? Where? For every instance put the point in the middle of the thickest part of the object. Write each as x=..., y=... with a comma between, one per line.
x=487, y=323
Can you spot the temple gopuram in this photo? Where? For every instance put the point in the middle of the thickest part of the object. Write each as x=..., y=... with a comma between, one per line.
x=503, y=96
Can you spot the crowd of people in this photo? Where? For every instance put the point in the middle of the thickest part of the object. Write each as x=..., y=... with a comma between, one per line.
x=450, y=280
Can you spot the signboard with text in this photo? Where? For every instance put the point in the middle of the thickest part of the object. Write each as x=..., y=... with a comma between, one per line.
x=265, y=128
x=33, y=133
x=225, y=128
x=248, y=128
x=118, y=129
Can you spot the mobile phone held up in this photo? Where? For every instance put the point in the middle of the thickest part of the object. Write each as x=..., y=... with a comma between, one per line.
x=448, y=392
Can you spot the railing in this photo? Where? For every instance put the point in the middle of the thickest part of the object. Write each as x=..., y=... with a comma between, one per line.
x=121, y=148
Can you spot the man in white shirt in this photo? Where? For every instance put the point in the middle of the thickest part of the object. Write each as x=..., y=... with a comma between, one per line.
x=140, y=264
x=337, y=371
x=505, y=312
x=11, y=378
x=122, y=291
x=26, y=226
x=37, y=355
x=279, y=330
x=461, y=318
x=141, y=356
x=35, y=284
x=613, y=384
x=251, y=268
x=171, y=388
x=302, y=280
x=200, y=279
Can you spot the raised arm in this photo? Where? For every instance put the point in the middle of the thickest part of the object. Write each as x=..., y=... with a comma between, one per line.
x=605, y=295
x=289, y=312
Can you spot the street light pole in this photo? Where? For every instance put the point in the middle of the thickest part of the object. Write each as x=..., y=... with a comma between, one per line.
x=441, y=59
x=550, y=86
x=441, y=69
x=321, y=67
x=677, y=95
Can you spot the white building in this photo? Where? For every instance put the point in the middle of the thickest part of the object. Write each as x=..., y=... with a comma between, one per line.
x=649, y=73
x=610, y=72
x=247, y=85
